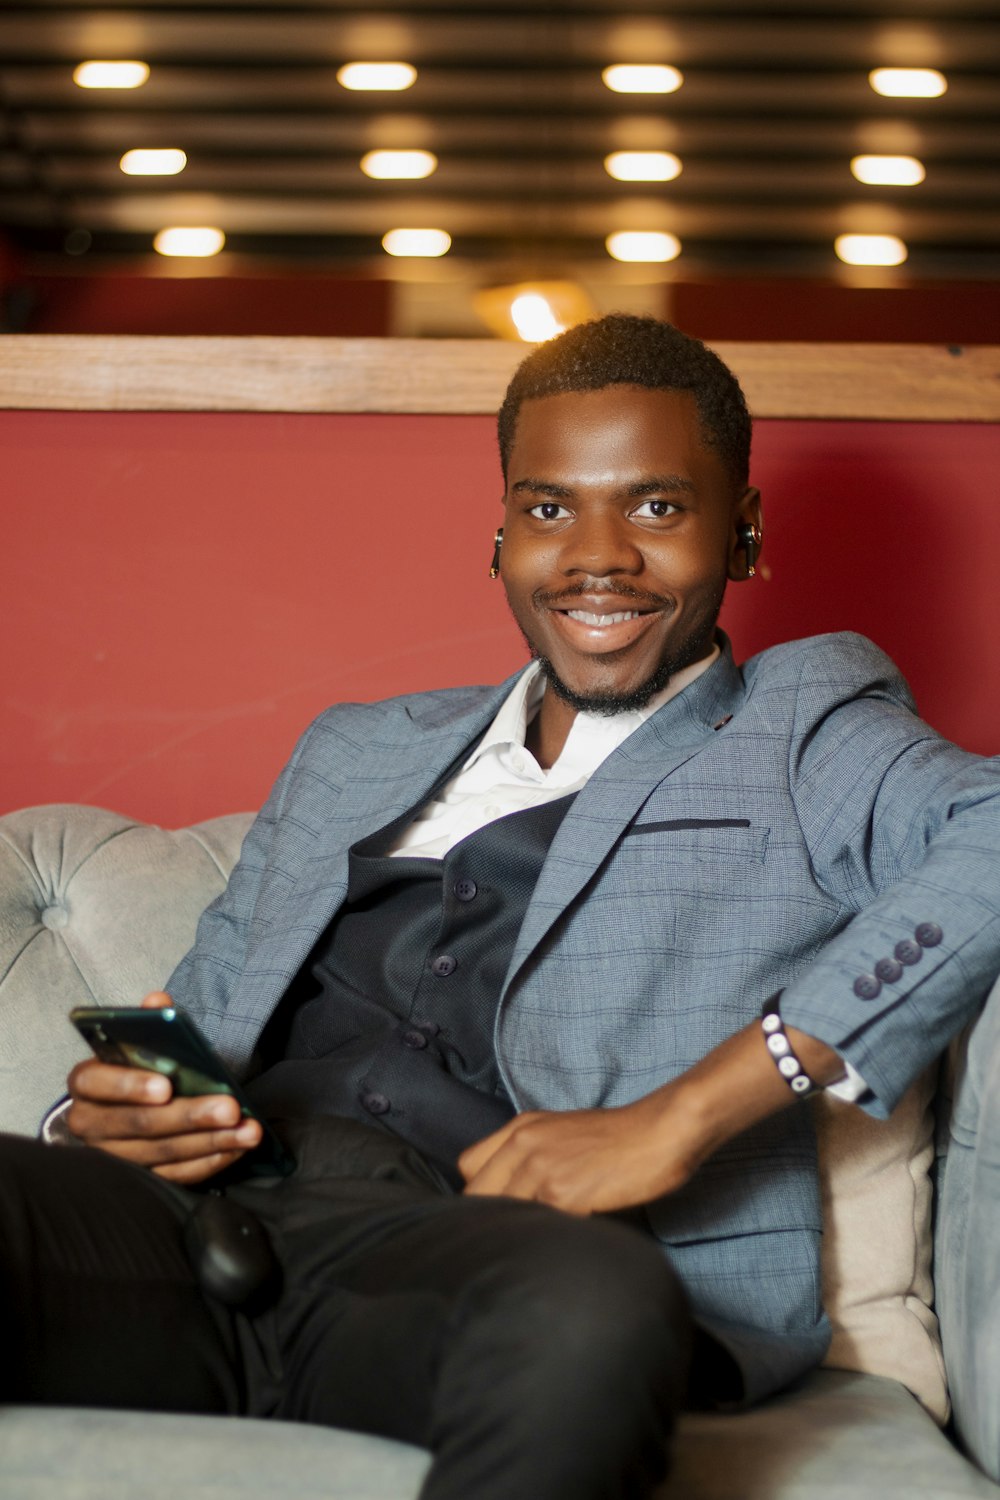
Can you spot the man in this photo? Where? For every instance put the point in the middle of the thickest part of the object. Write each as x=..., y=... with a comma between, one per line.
x=500, y=952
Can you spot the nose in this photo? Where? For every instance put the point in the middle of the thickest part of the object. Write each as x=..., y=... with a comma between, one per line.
x=600, y=545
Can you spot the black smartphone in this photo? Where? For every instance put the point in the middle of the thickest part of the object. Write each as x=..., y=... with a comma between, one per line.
x=167, y=1041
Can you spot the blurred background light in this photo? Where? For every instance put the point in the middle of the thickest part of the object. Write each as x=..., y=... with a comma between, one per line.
x=870, y=249
x=643, y=245
x=908, y=83
x=642, y=78
x=643, y=166
x=388, y=76
x=110, y=75
x=398, y=164
x=888, y=171
x=422, y=243
x=200, y=241
x=153, y=163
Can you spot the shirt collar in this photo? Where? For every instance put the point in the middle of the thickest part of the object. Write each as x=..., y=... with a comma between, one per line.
x=592, y=737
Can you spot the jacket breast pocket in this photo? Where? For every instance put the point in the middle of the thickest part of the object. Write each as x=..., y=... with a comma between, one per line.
x=696, y=839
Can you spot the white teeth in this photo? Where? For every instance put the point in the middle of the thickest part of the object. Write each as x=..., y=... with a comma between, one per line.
x=586, y=619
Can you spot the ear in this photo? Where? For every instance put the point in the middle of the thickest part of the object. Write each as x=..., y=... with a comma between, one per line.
x=747, y=520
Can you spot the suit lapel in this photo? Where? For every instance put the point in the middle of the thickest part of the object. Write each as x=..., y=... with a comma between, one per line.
x=394, y=775
x=617, y=790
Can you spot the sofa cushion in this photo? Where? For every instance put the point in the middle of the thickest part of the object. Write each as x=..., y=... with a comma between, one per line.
x=835, y=1437
x=877, y=1242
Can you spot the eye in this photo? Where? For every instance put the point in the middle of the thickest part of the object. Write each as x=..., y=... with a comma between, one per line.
x=549, y=511
x=655, y=510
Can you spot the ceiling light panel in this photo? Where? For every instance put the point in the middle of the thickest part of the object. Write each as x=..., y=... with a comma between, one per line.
x=423, y=244
x=642, y=78
x=888, y=171
x=107, y=74
x=908, y=83
x=870, y=249
x=372, y=77
x=199, y=242
x=166, y=162
x=643, y=166
x=652, y=246
x=398, y=164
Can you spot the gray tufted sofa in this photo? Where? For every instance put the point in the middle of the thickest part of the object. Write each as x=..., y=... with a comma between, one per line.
x=94, y=906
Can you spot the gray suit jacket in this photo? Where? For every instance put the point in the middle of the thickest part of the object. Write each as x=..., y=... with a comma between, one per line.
x=788, y=824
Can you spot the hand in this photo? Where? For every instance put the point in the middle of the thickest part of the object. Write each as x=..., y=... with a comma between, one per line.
x=131, y=1113
x=586, y=1161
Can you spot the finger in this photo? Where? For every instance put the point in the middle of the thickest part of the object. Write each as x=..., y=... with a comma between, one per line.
x=156, y=1000
x=98, y=1121
x=109, y=1083
x=179, y=1149
x=189, y=1172
x=475, y=1157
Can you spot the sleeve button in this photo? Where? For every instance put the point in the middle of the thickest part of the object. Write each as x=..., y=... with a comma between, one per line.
x=867, y=987
x=928, y=934
x=907, y=951
x=889, y=970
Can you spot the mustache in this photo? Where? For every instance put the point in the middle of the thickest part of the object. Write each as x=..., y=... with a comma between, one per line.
x=561, y=598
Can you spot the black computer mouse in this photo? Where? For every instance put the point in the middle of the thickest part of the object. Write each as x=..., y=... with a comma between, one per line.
x=231, y=1254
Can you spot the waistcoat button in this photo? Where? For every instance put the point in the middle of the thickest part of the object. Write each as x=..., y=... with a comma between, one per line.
x=414, y=1039
x=466, y=890
x=375, y=1104
x=444, y=965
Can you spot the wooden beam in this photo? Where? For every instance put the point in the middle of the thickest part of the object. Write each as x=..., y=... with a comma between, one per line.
x=881, y=382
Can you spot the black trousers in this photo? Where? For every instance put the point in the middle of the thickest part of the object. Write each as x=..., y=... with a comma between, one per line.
x=533, y=1353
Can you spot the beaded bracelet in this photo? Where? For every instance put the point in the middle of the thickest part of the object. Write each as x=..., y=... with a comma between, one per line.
x=780, y=1048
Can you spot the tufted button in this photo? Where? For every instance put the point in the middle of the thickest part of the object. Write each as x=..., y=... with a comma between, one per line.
x=928, y=934
x=867, y=987
x=466, y=890
x=429, y=1028
x=888, y=970
x=444, y=965
x=54, y=917
x=907, y=951
x=414, y=1039
x=375, y=1104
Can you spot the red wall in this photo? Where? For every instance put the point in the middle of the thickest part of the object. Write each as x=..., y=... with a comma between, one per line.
x=181, y=593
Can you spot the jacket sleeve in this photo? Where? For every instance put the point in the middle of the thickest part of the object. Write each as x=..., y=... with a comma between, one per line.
x=904, y=830
x=204, y=981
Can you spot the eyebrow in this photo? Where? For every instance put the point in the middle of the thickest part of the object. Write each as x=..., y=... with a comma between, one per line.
x=656, y=484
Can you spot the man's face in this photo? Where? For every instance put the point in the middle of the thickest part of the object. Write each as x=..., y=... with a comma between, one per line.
x=619, y=535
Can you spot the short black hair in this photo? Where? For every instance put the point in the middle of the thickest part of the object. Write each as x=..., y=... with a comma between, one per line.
x=622, y=349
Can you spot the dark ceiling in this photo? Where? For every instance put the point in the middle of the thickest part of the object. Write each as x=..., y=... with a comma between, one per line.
x=774, y=104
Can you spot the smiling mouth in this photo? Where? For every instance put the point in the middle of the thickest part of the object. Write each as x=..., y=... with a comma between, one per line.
x=598, y=621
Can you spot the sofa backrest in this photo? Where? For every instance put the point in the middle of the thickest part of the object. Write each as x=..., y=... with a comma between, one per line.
x=94, y=909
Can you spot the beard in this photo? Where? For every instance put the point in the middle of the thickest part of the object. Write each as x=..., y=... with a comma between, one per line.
x=607, y=703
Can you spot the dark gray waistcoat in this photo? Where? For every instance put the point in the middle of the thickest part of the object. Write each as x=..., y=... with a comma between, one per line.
x=390, y=1019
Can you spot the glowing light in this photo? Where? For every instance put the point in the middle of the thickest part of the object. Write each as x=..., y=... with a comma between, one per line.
x=110, y=75
x=642, y=78
x=643, y=245
x=388, y=76
x=158, y=163
x=908, y=83
x=398, y=163
x=534, y=318
x=427, y=243
x=870, y=249
x=201, y=241
x=643, y=166
x=888, y=171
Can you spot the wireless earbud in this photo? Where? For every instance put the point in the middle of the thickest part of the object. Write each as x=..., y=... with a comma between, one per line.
x=749, y=538
x=497, y=544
